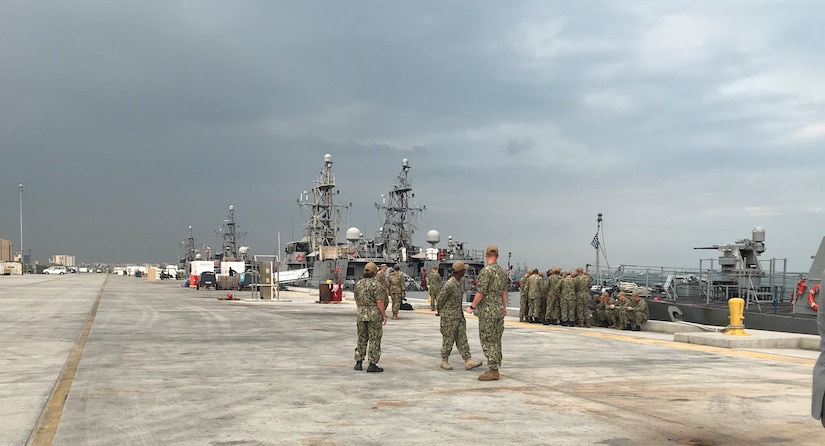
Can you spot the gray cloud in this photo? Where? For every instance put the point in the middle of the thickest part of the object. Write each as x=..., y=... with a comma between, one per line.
x=684, y=123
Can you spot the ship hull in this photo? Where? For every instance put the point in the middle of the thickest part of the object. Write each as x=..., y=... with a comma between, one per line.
x=699, y=313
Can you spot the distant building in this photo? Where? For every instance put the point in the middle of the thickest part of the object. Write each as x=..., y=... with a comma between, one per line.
x=5, y=251
x=62, y=259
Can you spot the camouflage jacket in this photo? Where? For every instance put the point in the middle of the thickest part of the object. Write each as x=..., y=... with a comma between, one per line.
x=568, y=287
x=583, y=284
x=640, y=308
x=449, y=299
x=396, y=282
x=367, y=294
x=434, y=284
x=525, y=286
x=492, y=281
x=554, y=286
x=535, y=286
x=381, y=277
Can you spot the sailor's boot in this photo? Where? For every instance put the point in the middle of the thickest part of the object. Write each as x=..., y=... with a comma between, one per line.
x=489, y=375
x=358, y=366
x=374, y=368
x=395, y=315
x=580, y=324
x=445, y=365
x=637, y=328
x=471, y=363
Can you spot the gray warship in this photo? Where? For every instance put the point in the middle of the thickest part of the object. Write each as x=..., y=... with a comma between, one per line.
x=775, y=299
x=343, y=263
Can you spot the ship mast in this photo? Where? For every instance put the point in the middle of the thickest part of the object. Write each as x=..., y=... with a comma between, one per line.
x=322, y=226
x=229, y=236
x=189, y=254
x=400, y=213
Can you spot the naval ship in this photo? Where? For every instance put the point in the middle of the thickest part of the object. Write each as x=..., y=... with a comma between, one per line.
x=775, y=299
x=327, y=259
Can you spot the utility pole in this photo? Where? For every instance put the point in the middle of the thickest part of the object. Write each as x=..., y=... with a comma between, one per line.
x=22, y=253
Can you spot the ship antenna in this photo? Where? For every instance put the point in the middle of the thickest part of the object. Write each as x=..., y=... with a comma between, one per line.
x=599, y=245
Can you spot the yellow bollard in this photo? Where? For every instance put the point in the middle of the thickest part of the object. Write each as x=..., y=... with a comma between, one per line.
x=737, y=317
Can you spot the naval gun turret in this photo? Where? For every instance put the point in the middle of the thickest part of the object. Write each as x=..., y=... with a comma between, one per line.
x=739, y=263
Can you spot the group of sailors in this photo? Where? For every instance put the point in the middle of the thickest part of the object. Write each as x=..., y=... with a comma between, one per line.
x=564, y=298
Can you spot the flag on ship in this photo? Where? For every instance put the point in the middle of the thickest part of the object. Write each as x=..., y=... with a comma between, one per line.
x=595, y=242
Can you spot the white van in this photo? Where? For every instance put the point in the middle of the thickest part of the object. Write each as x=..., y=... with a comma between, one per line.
x=55, y=270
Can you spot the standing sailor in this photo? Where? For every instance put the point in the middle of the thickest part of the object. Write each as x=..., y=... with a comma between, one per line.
x=433, y=287
x=396, y=289
x=524, y=300
x=369, y=301
x=491, y=301
x=553, y=297
x=453, y=324
x=385, y=286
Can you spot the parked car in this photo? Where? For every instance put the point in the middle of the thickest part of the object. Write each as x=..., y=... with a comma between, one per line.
x=55, y=270
x=207, y=280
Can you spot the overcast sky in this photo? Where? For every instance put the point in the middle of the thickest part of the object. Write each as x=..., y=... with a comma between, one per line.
x=685, y=123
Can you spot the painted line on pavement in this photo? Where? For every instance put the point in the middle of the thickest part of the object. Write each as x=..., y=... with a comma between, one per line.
x=46, y=429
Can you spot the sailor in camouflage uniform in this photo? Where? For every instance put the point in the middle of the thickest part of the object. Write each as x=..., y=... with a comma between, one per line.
x=453, y=325
x=568, y=299
x=553, y=297
x=396, y=289
x=637, y=313
x=490, y=305
x=600, y=315
x=434, y=287
x=535, y=295
x=583, y=284
x=369, y=300
x=618, y=308
x=524, y=297
x=385, y=285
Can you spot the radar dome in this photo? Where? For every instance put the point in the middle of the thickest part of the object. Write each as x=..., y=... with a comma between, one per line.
x=759, y=234
x=353, y=234
x=433, y=237
x=328, y=158
x=405, y=162
x=243, y=249
x=198, y=256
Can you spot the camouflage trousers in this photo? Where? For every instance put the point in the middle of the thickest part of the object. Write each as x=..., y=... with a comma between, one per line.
x=369, y=332
x=631, y=317
x=454, y=331
x=535, y=308
x=396, y=301
x=568, y=308
x=553, y=308
x=618, y=315
x=489, y=333
x=601, y=317
x=582, y=312
x=542, y=308
x=432, y=303
x=524, y=307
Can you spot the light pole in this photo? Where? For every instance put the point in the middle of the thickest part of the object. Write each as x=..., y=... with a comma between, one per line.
x=22, y=259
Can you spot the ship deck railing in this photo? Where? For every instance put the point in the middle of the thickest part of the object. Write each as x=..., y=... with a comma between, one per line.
x=706, y=283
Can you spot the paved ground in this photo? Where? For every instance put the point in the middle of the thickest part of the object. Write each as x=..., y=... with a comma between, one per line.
x=168, y=365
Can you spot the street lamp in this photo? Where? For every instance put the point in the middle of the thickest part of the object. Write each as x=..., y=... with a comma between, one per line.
x=22, y=263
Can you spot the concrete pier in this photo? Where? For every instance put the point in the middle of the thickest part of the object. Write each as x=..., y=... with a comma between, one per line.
x=94, y=359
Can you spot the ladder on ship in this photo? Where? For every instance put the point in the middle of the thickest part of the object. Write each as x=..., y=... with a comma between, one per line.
x=670, y=287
